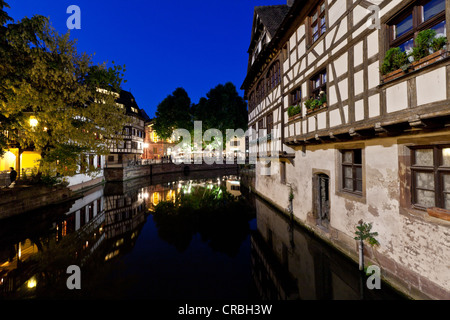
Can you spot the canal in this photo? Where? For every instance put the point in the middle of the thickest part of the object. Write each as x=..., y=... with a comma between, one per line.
x=197, y=236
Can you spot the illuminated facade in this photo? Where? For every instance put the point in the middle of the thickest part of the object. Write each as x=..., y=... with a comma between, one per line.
x=154, y=147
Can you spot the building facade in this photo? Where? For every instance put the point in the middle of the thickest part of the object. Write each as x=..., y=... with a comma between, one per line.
x=155, y=147
x=131, y=149
x=350, y=141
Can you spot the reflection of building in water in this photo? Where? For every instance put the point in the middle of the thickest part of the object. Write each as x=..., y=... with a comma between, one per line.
x=82, y=223
x=289, y=264
x=97, y=225
x=125, y=215
x=234, y=186
x=158, y=193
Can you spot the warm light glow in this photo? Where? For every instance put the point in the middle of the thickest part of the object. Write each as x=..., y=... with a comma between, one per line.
x=446, y=152
x=33, y=122
x=31, y=283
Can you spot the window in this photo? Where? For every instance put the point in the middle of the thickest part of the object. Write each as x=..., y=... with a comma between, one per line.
x=269, y=121
x=352, y=170
x=260, y=124
x=430, y=174
x=296, y=96
x=274, y=76
x=285, y=51
x=251, y=102
x=318, y=22
x=260, y=92
x=422, y=15
x=319, y=84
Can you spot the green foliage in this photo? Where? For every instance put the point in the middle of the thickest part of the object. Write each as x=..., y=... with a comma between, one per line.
x=438, y=43
x=174, y=112
x=314, y=103
x=43, y=76
x=364, y=233
x=395, y=58
x=221, y=109
x=293, y=110
x=423, y=44
x=291, y=194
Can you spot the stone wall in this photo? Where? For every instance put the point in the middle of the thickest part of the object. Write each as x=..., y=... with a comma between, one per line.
x=414, y=251
x=24, y=199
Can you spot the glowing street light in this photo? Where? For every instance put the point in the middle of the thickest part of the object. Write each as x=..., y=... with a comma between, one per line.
x=33, y=122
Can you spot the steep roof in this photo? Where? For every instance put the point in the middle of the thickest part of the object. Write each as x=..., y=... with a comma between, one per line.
x=127, y=99
x=272, y=16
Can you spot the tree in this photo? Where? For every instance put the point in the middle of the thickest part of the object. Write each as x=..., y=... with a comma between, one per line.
x=44, y=78
x=222, y=109
x=174, y=112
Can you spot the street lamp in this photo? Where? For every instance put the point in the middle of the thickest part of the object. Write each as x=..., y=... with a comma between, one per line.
x=33, y=122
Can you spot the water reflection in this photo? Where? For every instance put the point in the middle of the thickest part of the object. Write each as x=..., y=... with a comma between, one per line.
x=289, y=264
x=172, y=237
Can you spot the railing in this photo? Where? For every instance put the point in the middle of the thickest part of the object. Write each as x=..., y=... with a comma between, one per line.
x=135, y=163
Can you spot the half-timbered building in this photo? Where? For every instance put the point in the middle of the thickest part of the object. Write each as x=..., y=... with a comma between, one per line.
x=355, y=132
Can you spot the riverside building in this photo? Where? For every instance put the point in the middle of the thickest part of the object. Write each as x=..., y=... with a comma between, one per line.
x=352, y=139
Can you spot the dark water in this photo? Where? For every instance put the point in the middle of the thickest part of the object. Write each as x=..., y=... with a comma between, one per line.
x=127, y=248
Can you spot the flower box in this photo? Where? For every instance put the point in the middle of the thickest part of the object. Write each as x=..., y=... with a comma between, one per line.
x=393, y=75
x=323, y=106
x=439, y=213
x=436, y=56
x=295, y=116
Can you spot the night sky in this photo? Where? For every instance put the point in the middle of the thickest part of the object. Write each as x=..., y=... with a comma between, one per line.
x=195, y=44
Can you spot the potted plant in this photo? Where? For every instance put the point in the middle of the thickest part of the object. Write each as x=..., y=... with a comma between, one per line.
x=316, y=103
x=428, y=48
x=294, y=112
x=395, y=63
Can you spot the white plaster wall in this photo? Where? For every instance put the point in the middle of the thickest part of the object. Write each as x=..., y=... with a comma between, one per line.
x=431, y=86
x=397, y=97
x=336, y=11
x=418, y=245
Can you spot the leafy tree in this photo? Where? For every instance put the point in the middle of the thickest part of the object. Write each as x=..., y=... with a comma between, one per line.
x=174, y=112
x=222, y=109
x=43, y=77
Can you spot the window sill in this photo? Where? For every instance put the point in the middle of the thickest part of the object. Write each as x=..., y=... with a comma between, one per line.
x=439, y=213
x=423, y=215
x=311, y=111
x=295, y=117
x=359, y=197
x=416, y=66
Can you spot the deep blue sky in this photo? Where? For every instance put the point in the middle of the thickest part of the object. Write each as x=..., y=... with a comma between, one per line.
x=195, y=44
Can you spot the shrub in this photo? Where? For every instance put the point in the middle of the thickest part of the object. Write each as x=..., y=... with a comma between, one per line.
x=395, y=58
x=438, y=43
x=293, y=110
x=423, y=44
